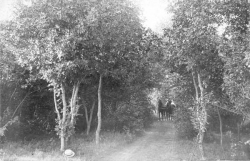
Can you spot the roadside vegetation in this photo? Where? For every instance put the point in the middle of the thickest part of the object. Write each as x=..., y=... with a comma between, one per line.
x=49, y=148
x=87, y=75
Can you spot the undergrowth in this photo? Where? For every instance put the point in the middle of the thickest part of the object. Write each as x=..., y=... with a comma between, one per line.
x=189, y=151
x=49, y=149
x=86, y=150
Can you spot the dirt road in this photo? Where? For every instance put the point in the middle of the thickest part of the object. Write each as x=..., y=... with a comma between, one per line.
x=158, y=144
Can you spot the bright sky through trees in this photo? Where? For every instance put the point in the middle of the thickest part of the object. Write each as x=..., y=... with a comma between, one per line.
x=154, y=12
x=5, y=9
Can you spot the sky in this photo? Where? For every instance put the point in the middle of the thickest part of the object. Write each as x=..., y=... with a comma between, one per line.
x=154, y=12
x=5, y=9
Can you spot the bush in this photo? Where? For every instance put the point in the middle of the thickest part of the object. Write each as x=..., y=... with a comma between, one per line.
x=31, y=128
x=183, y=124
x=130, y=117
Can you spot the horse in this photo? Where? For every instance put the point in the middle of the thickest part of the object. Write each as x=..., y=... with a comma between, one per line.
x=161, y=110
x=169, y=110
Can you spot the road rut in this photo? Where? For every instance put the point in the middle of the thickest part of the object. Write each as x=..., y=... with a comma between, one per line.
x=158, y=144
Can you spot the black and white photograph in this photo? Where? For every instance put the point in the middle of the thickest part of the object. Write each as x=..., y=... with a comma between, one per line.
x=124, y=80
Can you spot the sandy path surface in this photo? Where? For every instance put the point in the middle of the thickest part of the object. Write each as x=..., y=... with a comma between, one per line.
x=158, y=144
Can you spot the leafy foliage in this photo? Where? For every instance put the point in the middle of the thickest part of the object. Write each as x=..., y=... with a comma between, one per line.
x=234, y=50
x=183, y=124
x=131, y=116
x=69, y=43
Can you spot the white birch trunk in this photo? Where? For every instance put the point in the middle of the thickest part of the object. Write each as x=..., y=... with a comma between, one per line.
x=99, y=116
x=64, y=115
x=89, y=116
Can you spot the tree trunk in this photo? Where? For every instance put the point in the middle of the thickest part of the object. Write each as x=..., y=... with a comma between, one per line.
x=63, y=122
x=56, y=106
x=99, y=116
x=70, y=117
x=66, y=120
x=201, y=88
x=200, y=144
x=195, y=86
x=221, y=134
x=1, y=104
x=89, y=117
x=73, y=103
x=201, y=113
x=238, y=131
x=62, y=139
x=1, y=115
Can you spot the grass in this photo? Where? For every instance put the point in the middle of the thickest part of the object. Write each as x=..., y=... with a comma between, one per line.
x=86, y=149
x=188, y=149
x=48, y=149
x=213, y=151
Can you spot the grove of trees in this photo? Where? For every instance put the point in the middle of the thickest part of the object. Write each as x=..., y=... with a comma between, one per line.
x=81, y=52
x=211, y=68
x=73, y=65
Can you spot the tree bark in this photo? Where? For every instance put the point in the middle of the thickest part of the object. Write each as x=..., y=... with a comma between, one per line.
x=200, y=144
x=56, y=105
x=63, y=122
x=195, y=86
x=1, y=105
x=203, y=115
x=200, y=87
x=66, y=120
x=1, y=115
x=238, y=131
x=89, y=116
x=60, y=122
x=73, y=102
x=99, y=116
x=221, y=134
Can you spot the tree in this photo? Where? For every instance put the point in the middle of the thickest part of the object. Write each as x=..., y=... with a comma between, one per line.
x=192, y=53
x=11, y=76
x=64, y=42
x=234, y=50
x=114, y=43
x=43, y=38
x=88, y=100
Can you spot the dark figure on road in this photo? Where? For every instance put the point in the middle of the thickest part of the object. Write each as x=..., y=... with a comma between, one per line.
x=161, y=110
x=169, y=110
